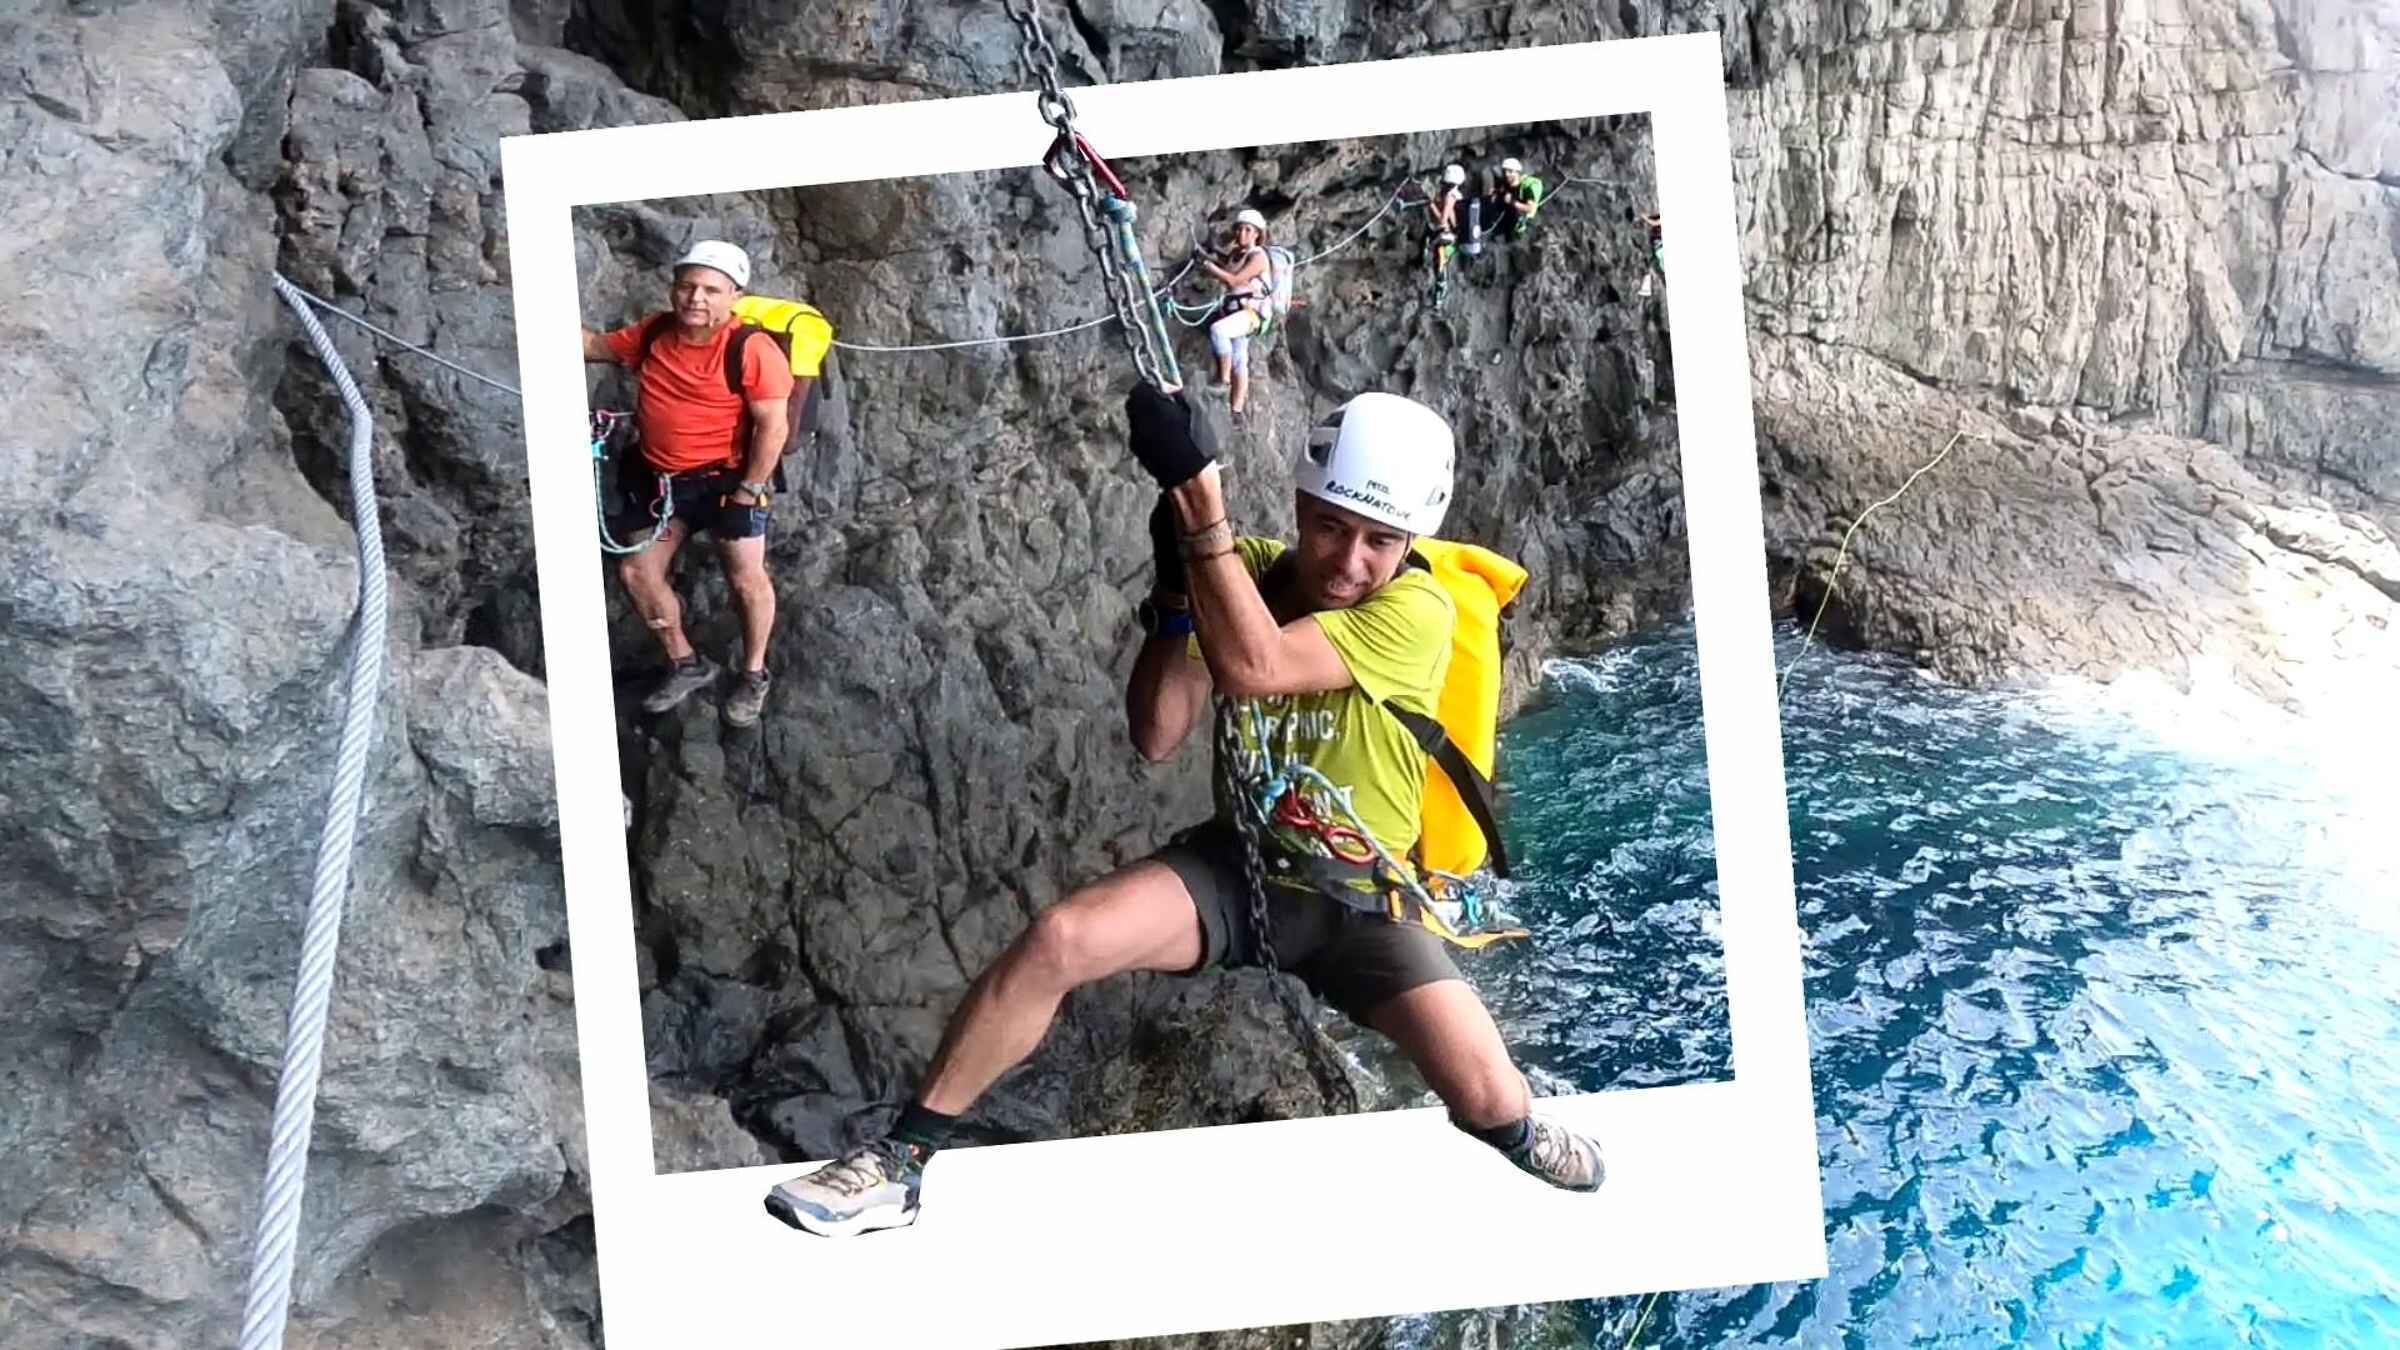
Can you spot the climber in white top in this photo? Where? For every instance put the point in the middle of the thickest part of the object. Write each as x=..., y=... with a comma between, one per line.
x=1248, y=285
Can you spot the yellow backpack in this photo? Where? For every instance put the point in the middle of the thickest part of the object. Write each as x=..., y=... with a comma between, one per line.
x=802, y=330
x=1458, y=830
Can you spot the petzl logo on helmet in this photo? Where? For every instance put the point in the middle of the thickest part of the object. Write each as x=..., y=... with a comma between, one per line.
x=1338, y=488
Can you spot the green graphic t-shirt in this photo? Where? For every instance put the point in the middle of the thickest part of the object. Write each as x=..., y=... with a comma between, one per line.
x=1396, y=644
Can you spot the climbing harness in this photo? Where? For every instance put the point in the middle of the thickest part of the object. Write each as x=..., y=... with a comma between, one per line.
x=1350, y=864
x=1342, y=842
x=605, y=423
x=269, y=1299
x=1334, y=1085
x=1098, y=193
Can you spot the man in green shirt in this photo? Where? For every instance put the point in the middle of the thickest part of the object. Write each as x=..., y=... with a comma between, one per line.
x=1313, y=638
x=1515, y=200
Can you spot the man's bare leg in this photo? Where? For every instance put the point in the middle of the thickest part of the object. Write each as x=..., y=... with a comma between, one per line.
x=745, y=564
x=1137, y=918
x=1445, y=1030
x=644, y=575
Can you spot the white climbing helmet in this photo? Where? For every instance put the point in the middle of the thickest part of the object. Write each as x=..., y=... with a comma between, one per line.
x=1252, y=219
x=1454, y=175
x=720, y=255
x=1388, y=458
x=1511, y=165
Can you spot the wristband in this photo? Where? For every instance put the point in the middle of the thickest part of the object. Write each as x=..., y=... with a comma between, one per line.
x=1160, y=621
x=1217, y=538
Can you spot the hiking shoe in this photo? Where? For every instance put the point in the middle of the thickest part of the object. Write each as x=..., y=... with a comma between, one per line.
x=693, y=672
x=748, y=699
x=1561, y=1157
x=872, y=1186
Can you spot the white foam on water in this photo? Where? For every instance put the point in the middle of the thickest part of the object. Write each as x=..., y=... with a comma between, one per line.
x=1600, y=673
x=2318, y=782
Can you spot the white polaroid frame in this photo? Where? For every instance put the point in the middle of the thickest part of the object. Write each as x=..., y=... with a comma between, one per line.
x=1389, y=1213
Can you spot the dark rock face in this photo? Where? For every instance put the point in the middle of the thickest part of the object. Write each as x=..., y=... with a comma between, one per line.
x=173, y=632
x=2144, y=265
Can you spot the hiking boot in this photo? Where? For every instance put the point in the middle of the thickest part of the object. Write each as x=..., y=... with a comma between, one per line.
x=692, y=672
x=748, y=699
x=872, y=1186
x=1561, y=1157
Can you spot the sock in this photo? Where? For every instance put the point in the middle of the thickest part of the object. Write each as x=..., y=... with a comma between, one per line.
x=923, y=1129
x=1509, y=1138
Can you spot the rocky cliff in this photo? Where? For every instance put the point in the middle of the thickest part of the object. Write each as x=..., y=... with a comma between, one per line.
x=2141, y=255
x=2144, y=257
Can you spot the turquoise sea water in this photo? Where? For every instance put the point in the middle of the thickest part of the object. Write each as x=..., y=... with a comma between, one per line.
x=2103, y=992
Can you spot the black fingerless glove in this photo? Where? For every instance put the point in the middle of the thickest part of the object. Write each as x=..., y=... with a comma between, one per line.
x=1167, y=435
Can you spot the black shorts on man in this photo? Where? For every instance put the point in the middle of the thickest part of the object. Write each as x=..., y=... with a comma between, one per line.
x=1353, y=959
x=701, y=502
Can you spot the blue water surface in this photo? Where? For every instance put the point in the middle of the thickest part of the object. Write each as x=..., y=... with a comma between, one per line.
x=2103, y=993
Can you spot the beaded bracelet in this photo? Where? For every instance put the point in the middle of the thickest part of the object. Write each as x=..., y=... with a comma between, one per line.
x=1219, y=534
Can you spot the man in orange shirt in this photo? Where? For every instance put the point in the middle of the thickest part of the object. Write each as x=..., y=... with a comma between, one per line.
x=695, y=471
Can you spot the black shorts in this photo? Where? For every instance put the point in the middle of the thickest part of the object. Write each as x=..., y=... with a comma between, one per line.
x=1352, y=959
x=700, y=503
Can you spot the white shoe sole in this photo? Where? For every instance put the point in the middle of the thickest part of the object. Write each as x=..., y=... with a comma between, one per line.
x=865, y=1221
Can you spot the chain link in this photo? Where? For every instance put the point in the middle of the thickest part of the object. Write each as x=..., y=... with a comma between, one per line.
x=1041, y=61
x=1130, y=295
x=1334, y=1085
x=1069, y=162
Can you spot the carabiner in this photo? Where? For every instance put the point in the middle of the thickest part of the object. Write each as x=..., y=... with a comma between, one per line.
x=1070, y=146
x=1056, y=161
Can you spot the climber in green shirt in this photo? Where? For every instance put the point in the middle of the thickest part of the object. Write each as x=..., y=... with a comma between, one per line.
x=1315, y=643
x=1515, y=201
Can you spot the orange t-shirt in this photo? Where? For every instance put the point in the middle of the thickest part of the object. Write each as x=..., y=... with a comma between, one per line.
x=688, y=416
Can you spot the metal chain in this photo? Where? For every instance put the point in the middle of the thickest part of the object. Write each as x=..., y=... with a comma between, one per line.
x=1340, y=1094
x=1128, y=295
x=1041, y=61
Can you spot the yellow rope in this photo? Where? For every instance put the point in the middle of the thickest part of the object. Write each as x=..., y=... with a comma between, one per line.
x=1844, y=551
x=1641, y=1321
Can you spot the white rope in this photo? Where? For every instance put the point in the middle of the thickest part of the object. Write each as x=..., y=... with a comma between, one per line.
x=1388, y=204
x=304, y=1038
x=331, y=308
x=979, y=342
x=1172, y=282
x=1346, y=240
